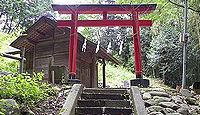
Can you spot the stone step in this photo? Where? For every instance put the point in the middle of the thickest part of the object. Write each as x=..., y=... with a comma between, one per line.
x=104, y=103
x=111, y=96
x=103, y=110
x=108, y=90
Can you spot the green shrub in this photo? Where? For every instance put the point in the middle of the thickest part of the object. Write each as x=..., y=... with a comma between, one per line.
x=25, y=89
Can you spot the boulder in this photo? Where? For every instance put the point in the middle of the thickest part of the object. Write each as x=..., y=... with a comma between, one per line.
x=158, y=93
x=167, y=111
x=149, y=102
x=174, y=114
x=195, y=110
x=169, y=105
x=10, y=107
x=191, y=101
x=162, y=99
x=156, y=113
x=186, y=93
x=183, y=111
x=184, y=106
x=146, y=96
x=177, y=99
x=154, y=108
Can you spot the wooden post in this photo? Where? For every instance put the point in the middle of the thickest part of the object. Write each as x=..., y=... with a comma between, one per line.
x=22, y=61
x=104, y=73
x=52, y=71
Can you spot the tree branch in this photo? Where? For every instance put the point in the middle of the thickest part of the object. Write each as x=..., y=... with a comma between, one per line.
x=183, y=6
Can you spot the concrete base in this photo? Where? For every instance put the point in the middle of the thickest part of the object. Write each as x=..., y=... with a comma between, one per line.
x=72, y=79
x=140, y=82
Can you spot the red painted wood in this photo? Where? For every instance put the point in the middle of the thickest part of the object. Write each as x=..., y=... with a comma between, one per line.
x=99, y=9
x=99, y=23
x=73, y=45
x=137, y=47
x=104, y=9
x=104, y=15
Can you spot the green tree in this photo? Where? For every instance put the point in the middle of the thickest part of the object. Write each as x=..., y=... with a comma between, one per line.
x=20, y=14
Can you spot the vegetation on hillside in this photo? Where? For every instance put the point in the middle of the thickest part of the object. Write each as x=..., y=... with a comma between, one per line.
x=25, y=89
x=17, y=15
x=7, y=65
x=115, y=75
x=161, y=50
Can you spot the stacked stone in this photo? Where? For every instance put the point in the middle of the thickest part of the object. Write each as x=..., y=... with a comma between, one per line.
x=161, y=102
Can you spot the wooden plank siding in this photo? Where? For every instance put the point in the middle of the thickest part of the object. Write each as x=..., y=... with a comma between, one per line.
x=47, y=45
x=58, y=49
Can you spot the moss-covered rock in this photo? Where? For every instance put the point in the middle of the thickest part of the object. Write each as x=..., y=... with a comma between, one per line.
x=9, y=107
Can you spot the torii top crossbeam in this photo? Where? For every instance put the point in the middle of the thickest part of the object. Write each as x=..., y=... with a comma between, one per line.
x=100, y=8
x=104, y=9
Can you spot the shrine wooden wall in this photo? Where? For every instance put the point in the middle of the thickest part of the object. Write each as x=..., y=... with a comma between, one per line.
x=54, y=50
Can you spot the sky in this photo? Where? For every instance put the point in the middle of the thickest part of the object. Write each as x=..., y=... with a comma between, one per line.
x=72, y=1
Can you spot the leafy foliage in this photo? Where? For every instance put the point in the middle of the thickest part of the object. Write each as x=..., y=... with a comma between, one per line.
x=19, y=14
x=114, y=75
x=24, y=89
x=8, y=65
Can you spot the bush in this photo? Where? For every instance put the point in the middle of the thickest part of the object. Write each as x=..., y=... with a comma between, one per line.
x=25, y=89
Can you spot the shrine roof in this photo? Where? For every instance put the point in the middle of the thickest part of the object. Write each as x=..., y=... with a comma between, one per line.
x=100, y=8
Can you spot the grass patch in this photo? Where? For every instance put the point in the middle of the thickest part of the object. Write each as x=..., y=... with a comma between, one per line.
x=115, y=75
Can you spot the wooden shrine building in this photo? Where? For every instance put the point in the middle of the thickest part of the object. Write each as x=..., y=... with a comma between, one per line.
x=46, y=49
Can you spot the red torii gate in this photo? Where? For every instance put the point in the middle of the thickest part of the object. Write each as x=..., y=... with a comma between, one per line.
x=104, y=9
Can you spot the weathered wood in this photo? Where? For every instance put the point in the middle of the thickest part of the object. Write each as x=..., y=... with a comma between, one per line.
x=103, y=110
x=104, y=103
x=10, y=56
x=111, y=96
x=104, y=73
x=138, y=103
x=106, y=90
x=71, y=101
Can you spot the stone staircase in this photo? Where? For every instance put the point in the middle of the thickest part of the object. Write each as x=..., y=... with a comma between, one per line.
x=104, y=101
x=107, y=101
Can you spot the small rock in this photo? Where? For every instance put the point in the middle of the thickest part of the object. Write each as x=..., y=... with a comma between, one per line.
x=29, y=112
x=167, y=110
x=157, y=93
x=154, y=108
x=155, y=113
x=177, y=99
x=183, y=111
x=184, y=106
x=161, y=99
x=149, y=102
x=185, y=92
x=191, y=101
x=174, y=114
x=194, y=110
x=169, y=105
x=146, y=96
x=158, y=89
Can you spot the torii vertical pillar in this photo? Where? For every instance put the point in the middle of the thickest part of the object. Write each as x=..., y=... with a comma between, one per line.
x=137, y=54
x=73, y=49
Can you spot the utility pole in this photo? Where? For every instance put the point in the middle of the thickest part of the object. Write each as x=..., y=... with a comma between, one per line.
x=185, y=39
